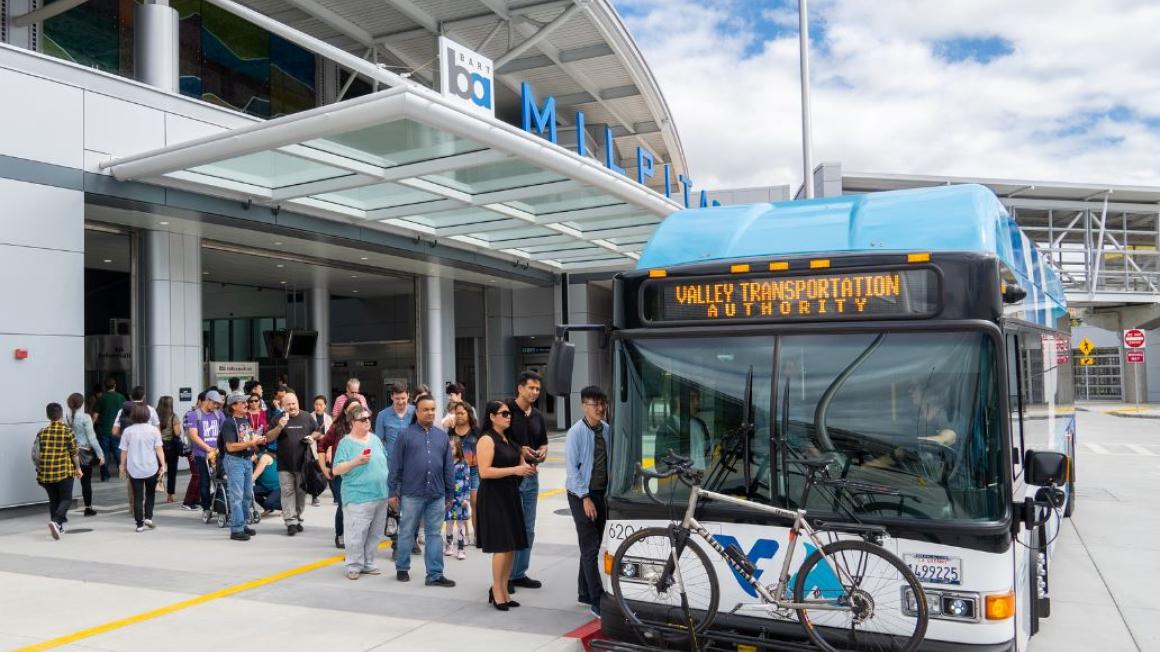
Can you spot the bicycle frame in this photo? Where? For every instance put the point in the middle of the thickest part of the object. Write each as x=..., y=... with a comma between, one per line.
x=800, y=525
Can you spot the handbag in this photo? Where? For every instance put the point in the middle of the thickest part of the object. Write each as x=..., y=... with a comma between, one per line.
x=161, y=482
x=89, y=457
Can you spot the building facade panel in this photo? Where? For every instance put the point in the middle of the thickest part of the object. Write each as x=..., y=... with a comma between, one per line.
x=42, y=120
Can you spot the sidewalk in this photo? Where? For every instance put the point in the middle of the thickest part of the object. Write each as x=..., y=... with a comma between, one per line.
x=1116, y=409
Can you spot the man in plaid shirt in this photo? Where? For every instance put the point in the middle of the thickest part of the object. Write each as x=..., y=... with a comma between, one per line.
x=57, y=466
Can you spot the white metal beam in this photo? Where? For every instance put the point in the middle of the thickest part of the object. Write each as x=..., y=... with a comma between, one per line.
x=346, y=182
x=490, y=225
x=539, y=35
x=44, y=13
x=416, y=14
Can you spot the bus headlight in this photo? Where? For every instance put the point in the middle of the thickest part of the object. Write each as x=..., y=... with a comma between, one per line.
x=956, y=606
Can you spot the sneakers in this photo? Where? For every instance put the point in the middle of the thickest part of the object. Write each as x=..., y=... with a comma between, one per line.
x=373, y=570
x=89, y=511
x=299, y=527
x=239, y=536
x=140, y=528
x=462, y=554
x=54, y=530
x=526, y=583
x=291, y=530
x=249, y=530
x=339, y=542
x=315, y=503
x=403, y=576
x=149, y=523
x=594, y=610
x=189, y=508
x=352, y=574
x=440, y=581
x=448, y=551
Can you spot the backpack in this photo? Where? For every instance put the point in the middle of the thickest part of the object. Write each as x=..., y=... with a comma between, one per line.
x=313, y=481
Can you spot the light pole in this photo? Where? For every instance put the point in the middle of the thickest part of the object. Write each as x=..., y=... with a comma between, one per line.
x=807, y=126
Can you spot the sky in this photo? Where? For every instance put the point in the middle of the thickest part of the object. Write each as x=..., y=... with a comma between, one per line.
x=1047, y=90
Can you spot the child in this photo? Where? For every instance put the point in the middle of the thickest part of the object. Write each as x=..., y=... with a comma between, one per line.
x=459, y=514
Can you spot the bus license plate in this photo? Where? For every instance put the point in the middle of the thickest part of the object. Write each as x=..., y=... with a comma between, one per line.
x=936, y=569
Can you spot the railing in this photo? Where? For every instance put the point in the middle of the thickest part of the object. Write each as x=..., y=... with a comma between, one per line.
x=1090, y=271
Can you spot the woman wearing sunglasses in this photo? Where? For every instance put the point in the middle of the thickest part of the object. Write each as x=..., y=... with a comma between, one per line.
x=361, y=463
x=501, y=518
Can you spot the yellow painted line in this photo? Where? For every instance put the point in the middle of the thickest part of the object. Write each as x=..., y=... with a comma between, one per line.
x=184, y=604
x=551, y=492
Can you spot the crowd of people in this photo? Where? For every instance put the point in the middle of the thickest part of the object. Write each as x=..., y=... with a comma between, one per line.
x=436, y=482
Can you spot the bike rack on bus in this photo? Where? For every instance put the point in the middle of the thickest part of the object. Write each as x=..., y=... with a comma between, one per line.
x=710, y=640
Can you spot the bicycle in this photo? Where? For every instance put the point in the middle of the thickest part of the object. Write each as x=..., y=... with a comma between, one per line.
x=667, y=589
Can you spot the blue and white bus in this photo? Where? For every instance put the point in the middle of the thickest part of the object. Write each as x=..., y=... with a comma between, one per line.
x=916, y=336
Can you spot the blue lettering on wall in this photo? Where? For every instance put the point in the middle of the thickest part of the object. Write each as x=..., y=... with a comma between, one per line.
x=645, y=164
x=545, y=118
x=541, y=119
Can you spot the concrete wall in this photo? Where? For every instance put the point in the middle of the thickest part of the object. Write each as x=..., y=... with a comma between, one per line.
x=42, y=258
x=237, y=301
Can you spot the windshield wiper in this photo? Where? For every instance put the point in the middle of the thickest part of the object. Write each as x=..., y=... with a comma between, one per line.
x=747, y=430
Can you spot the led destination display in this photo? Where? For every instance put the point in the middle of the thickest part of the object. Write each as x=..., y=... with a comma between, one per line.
x=845, y=295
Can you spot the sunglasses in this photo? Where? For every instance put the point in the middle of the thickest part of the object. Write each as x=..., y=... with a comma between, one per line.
x=506, y=414
x=363, y=419
x=253, y=400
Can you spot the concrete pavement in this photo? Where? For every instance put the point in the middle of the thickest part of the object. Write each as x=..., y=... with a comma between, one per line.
x=185, y=586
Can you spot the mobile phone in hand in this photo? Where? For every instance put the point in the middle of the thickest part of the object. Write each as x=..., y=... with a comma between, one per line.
x=366, y=451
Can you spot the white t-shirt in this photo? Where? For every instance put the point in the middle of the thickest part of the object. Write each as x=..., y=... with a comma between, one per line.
x=140, y=442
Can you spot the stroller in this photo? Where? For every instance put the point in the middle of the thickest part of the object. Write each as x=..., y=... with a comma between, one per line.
x=220, y=500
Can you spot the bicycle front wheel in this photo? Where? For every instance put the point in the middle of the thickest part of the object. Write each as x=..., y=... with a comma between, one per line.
x=859, y=589
x=660, y=604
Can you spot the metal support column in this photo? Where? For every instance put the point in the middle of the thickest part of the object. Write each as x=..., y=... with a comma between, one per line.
x=170, y=280
x=155, y=44
x=319, y=373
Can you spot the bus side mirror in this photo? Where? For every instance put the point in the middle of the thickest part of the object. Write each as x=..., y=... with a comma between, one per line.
x=1045, y=468
x=559, y=373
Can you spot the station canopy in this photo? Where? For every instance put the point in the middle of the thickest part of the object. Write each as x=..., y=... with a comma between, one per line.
x=408, y=160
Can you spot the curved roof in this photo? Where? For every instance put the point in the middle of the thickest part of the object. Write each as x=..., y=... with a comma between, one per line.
x=966, y=217
x=578, y=51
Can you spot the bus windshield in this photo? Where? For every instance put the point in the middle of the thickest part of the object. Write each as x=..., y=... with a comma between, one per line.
x=918, y=412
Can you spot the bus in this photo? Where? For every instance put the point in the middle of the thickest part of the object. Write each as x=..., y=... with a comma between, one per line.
x=916, y=337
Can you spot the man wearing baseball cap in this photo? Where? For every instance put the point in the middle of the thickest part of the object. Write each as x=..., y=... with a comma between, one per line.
x=203, y=426
x=238, y=441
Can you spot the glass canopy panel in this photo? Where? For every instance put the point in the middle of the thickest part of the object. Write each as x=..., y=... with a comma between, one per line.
x=467, y=217
x=395, y=143
x=504, y=175
x=567, y=201
x=380, y=195
x=270, y=169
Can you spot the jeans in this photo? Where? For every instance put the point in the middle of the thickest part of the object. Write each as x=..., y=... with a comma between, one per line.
x=268, y=498
x=336, y=489
x=367, y=521
x=589, y=534
x=203, y=481
x=430, y=510
x=240, y=483
x=106, y=442
x=193, y=489
x=87, y=485
x=529, y=496
x=59, y=499
x=144, y=495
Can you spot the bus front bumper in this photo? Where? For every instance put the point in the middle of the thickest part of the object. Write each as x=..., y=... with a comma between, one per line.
x=765, y=634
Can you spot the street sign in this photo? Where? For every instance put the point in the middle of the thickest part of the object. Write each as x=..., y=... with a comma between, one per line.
x=1087, y=362
x=1086, y=346
x=1134, y=338
x=1134, y=356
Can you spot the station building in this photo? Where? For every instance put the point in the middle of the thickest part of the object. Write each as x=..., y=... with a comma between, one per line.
x=312, y=190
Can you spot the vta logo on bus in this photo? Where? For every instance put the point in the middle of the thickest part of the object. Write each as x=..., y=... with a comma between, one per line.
x=821, y=578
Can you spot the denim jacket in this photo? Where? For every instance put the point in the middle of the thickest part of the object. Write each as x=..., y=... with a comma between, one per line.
x=578, y=449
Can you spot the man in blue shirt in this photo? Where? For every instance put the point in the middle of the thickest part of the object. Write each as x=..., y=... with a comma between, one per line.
x=586, y=479
x=395, y=418
x=421, y=485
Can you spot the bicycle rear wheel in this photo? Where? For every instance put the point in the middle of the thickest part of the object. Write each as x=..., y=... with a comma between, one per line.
x=651, y=603
x=870, y=582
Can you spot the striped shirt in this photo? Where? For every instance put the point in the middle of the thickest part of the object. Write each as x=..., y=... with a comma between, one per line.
x=58, y=450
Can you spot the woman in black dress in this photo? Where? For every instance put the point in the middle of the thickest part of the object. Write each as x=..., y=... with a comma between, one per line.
x=501, y=517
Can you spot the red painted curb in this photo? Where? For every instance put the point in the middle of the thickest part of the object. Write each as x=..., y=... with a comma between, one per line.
x=587, y=632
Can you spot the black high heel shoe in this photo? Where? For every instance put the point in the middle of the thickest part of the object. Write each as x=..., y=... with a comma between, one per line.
x=502, y=606
x=511, y=603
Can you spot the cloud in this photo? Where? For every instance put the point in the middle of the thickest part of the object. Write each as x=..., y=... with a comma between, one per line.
x=1057, y=91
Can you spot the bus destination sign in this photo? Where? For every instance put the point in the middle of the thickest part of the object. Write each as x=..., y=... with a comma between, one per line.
x=816, y=297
